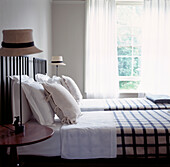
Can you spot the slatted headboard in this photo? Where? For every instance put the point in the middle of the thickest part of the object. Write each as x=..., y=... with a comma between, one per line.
x=9, y=66
x=39, y=66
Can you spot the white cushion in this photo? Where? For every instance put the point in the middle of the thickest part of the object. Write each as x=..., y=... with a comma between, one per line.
x=55, y=108
x=64, y=101
x=15, y=86
x=41, y=109
x=55, y=79
x=24, y=78
x=41, y=78
x=72, y=87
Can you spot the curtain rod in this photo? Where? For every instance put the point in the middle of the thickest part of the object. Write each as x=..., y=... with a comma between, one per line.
x=69, y=2
x=118, y=2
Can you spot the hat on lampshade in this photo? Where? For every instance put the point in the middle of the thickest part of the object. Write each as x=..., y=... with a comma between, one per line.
x=57, y=60
x=18, y=43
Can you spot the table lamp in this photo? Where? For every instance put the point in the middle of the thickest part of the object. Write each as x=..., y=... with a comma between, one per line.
x=57, y=61
x=18, y=43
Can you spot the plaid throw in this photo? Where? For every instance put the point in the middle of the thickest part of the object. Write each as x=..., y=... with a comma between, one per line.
x=135, y=104
x=121, y=104
x=143, y=133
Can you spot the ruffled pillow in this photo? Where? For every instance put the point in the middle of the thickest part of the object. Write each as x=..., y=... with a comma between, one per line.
x=62, y=102
x=42, y=78
x=72, y=87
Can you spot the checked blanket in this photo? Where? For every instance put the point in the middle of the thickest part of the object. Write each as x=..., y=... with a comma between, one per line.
x=143, y=133
x=121, y=104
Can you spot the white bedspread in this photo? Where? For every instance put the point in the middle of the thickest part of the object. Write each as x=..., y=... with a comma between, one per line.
x=94, y=136
x=49, y=147
x=93, y=104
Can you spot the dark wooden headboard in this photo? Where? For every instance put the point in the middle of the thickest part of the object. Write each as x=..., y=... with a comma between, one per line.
x=9, y=66
x=39, y=66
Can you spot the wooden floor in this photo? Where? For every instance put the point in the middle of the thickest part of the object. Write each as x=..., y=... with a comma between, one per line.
x=37, y=161
x=33, y=161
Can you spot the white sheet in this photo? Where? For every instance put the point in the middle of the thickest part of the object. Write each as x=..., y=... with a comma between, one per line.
x=49, y=147
x=94, y=136
x=93, y=104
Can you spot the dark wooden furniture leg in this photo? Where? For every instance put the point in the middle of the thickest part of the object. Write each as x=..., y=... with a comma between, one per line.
x=14, y=159
x=34, y=133
x=3, y=157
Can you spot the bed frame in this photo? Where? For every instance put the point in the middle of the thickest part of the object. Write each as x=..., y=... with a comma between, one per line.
x=39, y=66
x=35, y=161
x=9, y=66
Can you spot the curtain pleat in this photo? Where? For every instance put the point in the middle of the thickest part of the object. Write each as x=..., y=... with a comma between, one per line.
x=156, y=47
x=101, y=67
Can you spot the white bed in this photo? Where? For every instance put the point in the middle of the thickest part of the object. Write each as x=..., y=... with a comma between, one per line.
x=84, y=140
x=49, y=147
x=127, y=126
x=95, y=104
x=139, y=133
x=120, y=104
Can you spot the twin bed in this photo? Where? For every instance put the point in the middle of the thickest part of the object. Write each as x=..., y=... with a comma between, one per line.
x=108, y=128
x=121, y=104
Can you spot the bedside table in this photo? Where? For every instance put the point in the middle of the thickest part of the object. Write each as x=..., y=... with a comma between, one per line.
x=33, y=133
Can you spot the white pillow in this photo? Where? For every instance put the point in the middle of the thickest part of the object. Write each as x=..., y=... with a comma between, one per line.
x=56, y=79
x=24, y=78
x=41, y=78
x=26, y=111
x=55, y=108
x=41, y=110
x=64, y=101
x=72, y=87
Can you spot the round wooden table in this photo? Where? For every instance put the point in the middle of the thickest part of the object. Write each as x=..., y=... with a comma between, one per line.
x=33, y=133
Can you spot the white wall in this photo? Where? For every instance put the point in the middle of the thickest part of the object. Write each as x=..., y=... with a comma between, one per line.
x=68, y=28
x=33, y=14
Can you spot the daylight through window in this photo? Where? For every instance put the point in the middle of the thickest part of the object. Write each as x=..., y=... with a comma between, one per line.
x=129, y=34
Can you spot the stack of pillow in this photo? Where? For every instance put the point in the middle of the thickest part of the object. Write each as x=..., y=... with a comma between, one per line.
x=49, y=96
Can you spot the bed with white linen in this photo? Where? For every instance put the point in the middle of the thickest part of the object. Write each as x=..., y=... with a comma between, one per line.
x=139, y=134
x=121, y=104
x=142, y=131
x=40, y=71
x=104, y=134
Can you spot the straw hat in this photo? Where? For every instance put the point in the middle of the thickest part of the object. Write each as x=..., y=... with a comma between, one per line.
x=18, y=43
x=57, y=60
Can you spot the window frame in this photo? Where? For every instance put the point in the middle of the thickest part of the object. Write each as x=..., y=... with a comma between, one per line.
x=129, y=2
x=124, y=92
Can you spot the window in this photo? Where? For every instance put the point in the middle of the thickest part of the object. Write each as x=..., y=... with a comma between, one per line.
x=129, y=34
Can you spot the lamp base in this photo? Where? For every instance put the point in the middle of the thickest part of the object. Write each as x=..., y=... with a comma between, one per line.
x=19, y=129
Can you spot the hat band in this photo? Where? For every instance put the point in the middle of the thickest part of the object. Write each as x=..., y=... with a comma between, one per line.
x=56, y=61
x=17, y=45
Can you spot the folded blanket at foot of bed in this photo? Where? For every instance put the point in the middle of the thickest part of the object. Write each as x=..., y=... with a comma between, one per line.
x=158, y=98
x=94, y=136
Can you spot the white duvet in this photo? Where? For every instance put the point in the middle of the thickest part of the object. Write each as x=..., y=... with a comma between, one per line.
x=94, y=136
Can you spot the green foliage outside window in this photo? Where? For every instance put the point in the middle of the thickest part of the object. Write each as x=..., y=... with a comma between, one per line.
x=129, y=37
x=130, y=85
x=136, y=66
x=137, y=51
x=124, y=51
x=124, y=65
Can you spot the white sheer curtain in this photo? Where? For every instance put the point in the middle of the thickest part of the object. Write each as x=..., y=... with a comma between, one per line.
x=101, y=70
x=156, y=47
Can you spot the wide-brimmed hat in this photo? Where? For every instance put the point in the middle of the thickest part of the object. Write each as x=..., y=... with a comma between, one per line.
x=57, y=60
x=18, y=43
